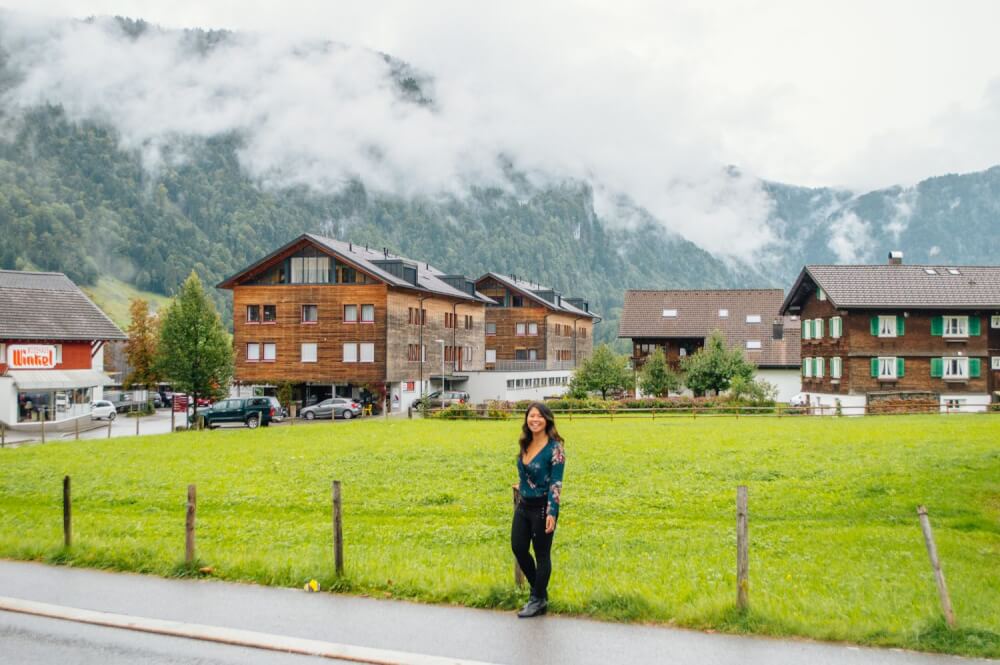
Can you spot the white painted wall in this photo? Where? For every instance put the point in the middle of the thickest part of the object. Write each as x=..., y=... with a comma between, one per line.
x=788, y=381
x=825, y=404
x=486, y=386
x=8, y=401
x=974, y=403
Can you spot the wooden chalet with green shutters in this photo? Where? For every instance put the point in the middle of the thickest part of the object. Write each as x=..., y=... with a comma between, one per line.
x=895, y=331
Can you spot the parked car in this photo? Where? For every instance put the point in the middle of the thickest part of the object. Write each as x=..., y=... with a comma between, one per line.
x=443, y=398
x=251, y=411
x=279, y=411
x=102, y=409
x=337, y=407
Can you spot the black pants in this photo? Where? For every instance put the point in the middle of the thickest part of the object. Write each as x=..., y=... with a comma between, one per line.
x=528, y=528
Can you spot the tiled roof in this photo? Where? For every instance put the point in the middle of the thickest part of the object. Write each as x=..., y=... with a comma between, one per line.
x=533, y=290
x=428, y=277
x=47, y=305
x=697, y=313
x=916, y=286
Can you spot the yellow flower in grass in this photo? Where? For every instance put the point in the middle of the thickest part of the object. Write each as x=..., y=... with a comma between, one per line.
x=311, y=586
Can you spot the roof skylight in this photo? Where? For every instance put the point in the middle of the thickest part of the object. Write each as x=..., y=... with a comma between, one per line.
x=670, y=313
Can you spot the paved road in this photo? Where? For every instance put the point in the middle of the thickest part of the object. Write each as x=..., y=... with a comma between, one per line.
x=484, y=635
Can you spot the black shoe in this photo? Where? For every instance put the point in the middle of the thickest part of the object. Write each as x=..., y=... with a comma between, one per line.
x=535, y=607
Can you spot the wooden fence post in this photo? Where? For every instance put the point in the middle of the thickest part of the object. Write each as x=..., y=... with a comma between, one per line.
x=518, y=573
x=67, y=514
x=338, y=530
x=925, y=524
x=189, y=526
x=742, y=549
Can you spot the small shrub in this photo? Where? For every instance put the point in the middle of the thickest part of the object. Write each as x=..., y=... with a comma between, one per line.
x=456, y=411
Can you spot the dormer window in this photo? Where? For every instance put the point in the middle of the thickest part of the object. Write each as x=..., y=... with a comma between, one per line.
x=670, y=313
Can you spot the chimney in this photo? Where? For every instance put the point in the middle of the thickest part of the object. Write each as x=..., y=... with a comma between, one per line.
x=895, y=258
x=778, y=329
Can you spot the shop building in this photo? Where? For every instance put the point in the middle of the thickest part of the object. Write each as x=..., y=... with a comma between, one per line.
x=51, y=349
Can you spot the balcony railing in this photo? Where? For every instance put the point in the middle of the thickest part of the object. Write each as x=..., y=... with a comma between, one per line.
x=529, y=365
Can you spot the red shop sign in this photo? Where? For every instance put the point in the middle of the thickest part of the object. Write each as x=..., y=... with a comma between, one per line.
x=31, y=356
x=180, y=403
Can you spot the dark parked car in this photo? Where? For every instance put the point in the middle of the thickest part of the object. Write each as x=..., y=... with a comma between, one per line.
x=251, y=411
x=337, y=407
x=439, y=399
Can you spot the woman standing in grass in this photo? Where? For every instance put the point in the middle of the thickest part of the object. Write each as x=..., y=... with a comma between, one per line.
x=540, y=470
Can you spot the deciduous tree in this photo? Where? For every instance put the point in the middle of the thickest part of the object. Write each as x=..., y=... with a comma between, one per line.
x=604, y=371
x=656, y=377
x=140, y=348
x=713, y=367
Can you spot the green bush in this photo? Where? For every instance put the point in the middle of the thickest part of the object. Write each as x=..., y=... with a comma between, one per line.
x=457, y=411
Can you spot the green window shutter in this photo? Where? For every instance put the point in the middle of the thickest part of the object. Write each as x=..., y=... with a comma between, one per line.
x=802, y=331
x=900, y=370
x=900, y=326
x=937, y=326
x=974, y=368
x=937, y=368
x=875, y=367
x=819, y=328
x=874, y=327
x=974, y=328
x=804, y=361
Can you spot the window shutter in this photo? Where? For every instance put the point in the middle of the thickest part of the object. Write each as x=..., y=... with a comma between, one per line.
x=803, y=330
x=974, y=329
x=937, y=368
x=804, y=361
x=874, y=322
x=900, y=370
x=875, y=365
x=937, y=326
x=974, y=368
x=900, y=326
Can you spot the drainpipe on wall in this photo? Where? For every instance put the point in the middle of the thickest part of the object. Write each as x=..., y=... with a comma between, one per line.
x=454, y=338
x=545, y=339
x=420, y=346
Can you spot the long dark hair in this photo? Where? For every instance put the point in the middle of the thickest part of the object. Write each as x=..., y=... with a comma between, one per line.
x=550, y=425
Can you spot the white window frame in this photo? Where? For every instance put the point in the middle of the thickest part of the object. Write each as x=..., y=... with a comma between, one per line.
x=753, y=345
x=365, y=309
x=302, y=314
x=670, y=313
x=808, y=368
x=955, y=368
x=995, y=363
x=532, y=354
x=723, y=313
x=890, y=363
x=807, y=328
x=491, y=355
x=270, y=352
x=533, y=329
x=254, y=356
x=351, y=308
x=836, y=367
x=995, y=322
x=817, y=328
x=492, y=332
x=753, y=318
x=820, y=367
x=350, y=352
x=366, y=352
x=467, y=354
x=961, y=328
x=309, y=352
x=520, y=329
x=820, y=294
x=887, y=325
x=836, y=327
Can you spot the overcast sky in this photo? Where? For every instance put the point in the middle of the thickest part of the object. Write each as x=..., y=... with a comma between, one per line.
x=650, y=99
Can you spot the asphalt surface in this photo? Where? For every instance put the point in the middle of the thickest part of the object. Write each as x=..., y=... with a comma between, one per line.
x=485, y=635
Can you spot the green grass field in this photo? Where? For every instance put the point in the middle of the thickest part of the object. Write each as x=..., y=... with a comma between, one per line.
x=647, y=531
x=113, y=297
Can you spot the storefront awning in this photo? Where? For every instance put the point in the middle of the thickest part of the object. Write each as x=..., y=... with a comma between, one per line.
x=53, y=379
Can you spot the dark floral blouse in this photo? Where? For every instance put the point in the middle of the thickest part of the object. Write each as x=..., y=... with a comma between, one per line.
x=543, y=475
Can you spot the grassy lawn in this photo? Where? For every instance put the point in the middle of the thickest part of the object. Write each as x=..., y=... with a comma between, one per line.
x=647, y=530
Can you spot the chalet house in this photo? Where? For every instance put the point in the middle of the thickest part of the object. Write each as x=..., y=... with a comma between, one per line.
x=679, y=321
x=872, y=332
x=51, y=349
x=340, y=319
x=534, y=339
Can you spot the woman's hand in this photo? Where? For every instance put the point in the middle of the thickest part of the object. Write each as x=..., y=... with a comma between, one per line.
x=550, y=524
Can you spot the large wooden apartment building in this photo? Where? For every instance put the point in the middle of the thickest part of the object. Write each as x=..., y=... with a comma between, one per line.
x=872, y=332
x=335, y=318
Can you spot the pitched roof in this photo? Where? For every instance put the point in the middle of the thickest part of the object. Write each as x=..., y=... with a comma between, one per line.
x=428, y=277
x=47, y=305
x=696, y=313
x=887, y=285
x=535, y=290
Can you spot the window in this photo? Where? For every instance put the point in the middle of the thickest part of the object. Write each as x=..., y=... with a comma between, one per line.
x=58, y=354
x=723, y=313
x=820, y=294
x=350, y=353
x=930, y=271
x=886, y=368
x=350, y=313
x=670, y=313
x=519, y=329
x=368, y=314
x=836, y=327
x=807, y=367
x=532, y=354
x=468, y=322
x=836, y=368
x=817, y=328
x=467, y=354
x=310, y=314
x=820, y=367
x=995, y=362
x=753, y=344
x=956, y=326
x=753, y=318
x=887, y=326
x=412, y=354
x=308, y=352
x=310, y=269
x=491, y=328
x=253, y=313
x=409, y=386
x=449, y=321
x=954, y=271
x=367, y=352
x=510, y=384
x=253, y=352
x=807, y=329
x=517, y=301
x=491, y=355
x=533, y=329
x=270, y=351
x=995, y=322
x=956, y=368
x=270, y=313
x=583, y=333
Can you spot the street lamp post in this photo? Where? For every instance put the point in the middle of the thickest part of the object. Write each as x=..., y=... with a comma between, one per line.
x=441, y=342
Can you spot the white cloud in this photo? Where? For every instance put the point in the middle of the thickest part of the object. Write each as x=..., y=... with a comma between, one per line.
x=850, y=238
